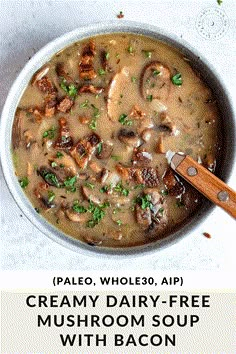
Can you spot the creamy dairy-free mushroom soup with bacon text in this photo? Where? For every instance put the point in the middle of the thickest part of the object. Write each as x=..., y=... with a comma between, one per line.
x=91, y=132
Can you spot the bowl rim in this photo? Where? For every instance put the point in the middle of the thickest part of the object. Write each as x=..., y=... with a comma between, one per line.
x=14, y=95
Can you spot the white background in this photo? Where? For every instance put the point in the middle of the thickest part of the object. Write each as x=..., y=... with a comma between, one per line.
x=26, y=26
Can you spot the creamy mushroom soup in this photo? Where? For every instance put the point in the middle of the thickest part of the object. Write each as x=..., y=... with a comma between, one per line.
x=91, y=132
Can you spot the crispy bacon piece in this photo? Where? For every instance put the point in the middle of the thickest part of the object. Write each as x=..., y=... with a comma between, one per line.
x=83, y=150
x=91, y=89
x=86, y=68
x=65, y=104
x=137, y=113
x=50, y=105
x=45, y=85
x=64, y=141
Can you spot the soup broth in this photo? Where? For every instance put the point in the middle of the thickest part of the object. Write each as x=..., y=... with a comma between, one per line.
x=91, y=132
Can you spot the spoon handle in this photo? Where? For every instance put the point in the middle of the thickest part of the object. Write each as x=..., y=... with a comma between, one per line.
x=205, y=182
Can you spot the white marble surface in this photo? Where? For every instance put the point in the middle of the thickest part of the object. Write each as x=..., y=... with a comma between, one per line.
x=25, y=26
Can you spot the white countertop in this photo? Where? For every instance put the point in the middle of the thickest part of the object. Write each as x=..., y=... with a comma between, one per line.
x=26, y=26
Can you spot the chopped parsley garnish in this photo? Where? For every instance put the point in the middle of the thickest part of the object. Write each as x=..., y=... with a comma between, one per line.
x=177, y=79
x=69, y=183
x=147, y=53
x=133, y=79
x=89, y=185
x=96, y=115
x=161, y=211
x=104, y=189
x=107, y=55
x=51, y=196
x=99, y=147
x=96, y=112
x=219, y=2
x=119, y=222
x=59, y=154
x=155, y=73
x=97, y=212
x=149, y=98
x=78, y=208
x=50, y=178
x=144, y=201
x=84, y=104
x=101, y=72
x=130, y=49
x=24, y=182
x=164, y=192
x=139, y=186
x=37, y=210
x=123, y=119
x=70, y=89
x=93, y=124
x=53, y=164
x=115, y=157
x=50, y=133
x=180, y=204
x=120, y=189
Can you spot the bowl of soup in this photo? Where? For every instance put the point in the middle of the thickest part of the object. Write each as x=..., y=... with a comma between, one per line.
x=85, y=131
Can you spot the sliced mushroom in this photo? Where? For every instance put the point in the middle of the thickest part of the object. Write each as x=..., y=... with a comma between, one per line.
x=166, y=125
x=92, y=241
x=143, y=216
x=17, y=129
x=129, y=137
x=118, y=84
x=76, y=217
x=50, y=177
x=146, y=134
x=112, y=179
x=39, y=74
x=105, y=151
x=89, y=194
x=69, y=164
x=155, y=81
x=62, y=73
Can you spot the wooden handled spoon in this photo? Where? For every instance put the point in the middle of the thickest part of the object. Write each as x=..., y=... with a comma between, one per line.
x=204, y=181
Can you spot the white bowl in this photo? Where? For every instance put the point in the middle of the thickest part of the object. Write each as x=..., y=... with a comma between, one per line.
x=224, y=170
